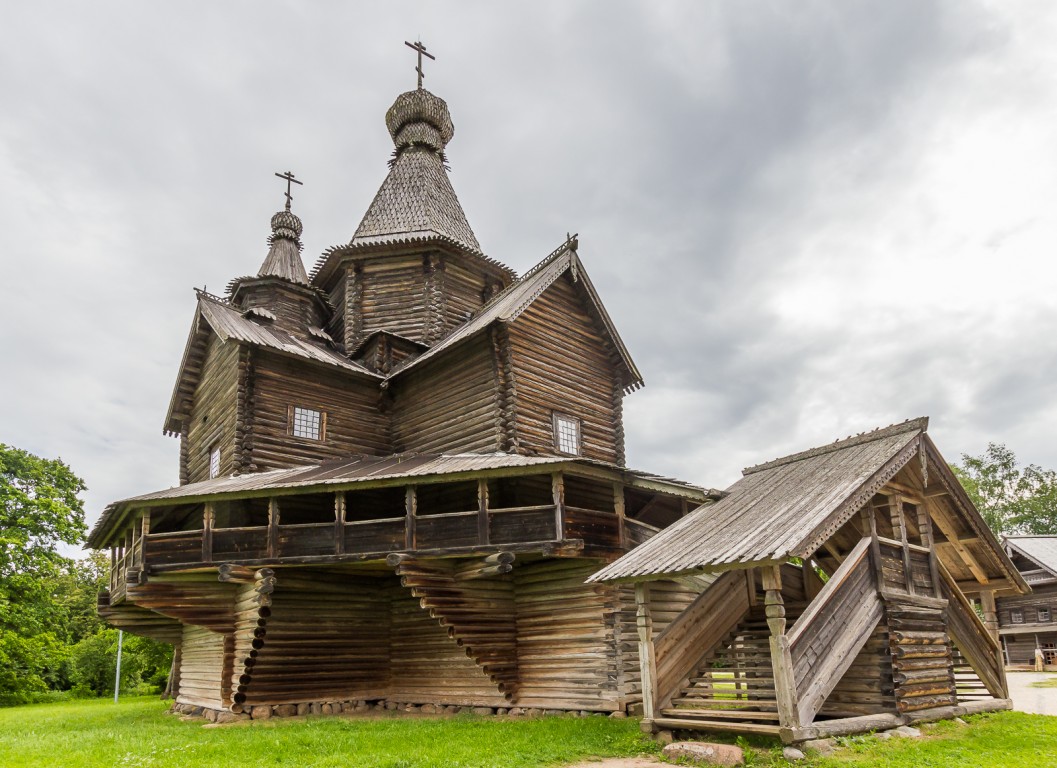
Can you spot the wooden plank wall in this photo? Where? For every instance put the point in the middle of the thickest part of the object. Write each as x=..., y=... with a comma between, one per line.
x=427, y=666
x=353, y=422
x=394, y=297
x=327, y=638
x=561, y=363
x=203, y=668
x=1042, y=596
x=449, y=405
x=212, y=419
x=866, y=688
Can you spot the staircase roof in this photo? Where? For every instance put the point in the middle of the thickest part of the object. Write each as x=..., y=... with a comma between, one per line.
x=789, y=507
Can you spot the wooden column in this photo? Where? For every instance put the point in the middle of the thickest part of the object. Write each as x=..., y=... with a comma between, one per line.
x=781, y=659
x=928, y=540
x=339, y=523
x=899, y=523
x=144, y=532
x=618, y=507
x=209, y=516
x=273, y=527
x=869, y=525
x=482, y=511
x=558, y=494
x=411, y=511
x=990, y=611
x=647, y=659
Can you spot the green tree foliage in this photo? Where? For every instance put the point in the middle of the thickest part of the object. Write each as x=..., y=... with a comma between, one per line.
x=1012, y=499
x=51, y=637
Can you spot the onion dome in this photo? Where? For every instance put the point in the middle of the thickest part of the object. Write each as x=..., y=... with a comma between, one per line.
x=418, y=118
x=284, y=254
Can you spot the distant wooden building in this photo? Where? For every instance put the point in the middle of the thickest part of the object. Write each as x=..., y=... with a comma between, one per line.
x=1029, y=622
x=399, y=472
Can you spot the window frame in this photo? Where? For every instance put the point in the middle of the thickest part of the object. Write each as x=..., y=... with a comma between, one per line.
x=291, y=419
x=557, y=417
x=214, y=466
x=1043, y=614
x=1016, y=616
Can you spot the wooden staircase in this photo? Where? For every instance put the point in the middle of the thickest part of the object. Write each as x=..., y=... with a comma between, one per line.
x=734, y=685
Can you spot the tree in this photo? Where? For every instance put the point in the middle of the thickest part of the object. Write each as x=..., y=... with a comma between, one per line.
x=1012, y=499
x=39, y=510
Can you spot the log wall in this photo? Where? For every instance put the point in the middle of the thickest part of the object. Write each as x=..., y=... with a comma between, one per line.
x=327, y=637
x=394, y=297
x=213, y=411
x=449, y=405
x=204, y=665
x=354, y=424
x=561, y=363
x=1042, y=596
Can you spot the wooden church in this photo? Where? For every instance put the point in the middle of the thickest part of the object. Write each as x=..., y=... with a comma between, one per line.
x=402, y=485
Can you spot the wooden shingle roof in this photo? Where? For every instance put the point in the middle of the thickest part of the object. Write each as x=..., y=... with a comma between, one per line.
x=1040, y=549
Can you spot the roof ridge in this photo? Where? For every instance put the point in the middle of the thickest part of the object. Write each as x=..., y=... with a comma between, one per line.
x=919, y=424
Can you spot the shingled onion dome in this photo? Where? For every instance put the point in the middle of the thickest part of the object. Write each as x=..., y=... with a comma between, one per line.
x=416, y=201
x=284, y=255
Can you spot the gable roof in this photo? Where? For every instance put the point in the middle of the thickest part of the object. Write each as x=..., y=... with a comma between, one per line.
x=1040, y=549
x=216, y=315
x=511, y=302
x=790, y=506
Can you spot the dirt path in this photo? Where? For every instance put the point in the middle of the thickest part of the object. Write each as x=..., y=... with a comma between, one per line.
x=1039, y=701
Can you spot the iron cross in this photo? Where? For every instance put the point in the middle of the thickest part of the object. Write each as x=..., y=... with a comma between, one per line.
x=289, y=176
x=421, y=52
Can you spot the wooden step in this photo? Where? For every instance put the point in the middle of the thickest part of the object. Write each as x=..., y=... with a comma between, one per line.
x=761, y=705
x=729, y=726
x=719, y=714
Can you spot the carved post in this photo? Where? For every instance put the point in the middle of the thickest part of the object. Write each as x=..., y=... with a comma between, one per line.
x=482, y=511
x=273, y=527
x=209, y=516
x=411, y=511
x=899, y=524
x=647, y=660
x=144, y=532
x=558, y=493
x=339, y=523
x=618, y=507
x=781, y=659
x=927, y=539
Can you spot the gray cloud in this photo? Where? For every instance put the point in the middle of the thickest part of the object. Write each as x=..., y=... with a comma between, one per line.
x=807, y=220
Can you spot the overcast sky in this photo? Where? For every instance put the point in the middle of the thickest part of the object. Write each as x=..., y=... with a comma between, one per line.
x=807, y=219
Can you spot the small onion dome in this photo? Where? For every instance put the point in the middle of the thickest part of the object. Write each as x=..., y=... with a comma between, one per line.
x=286, y=224
x=418, y=117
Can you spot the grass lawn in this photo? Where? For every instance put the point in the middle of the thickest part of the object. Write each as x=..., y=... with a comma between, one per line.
x=137, y=733
x=98, y=734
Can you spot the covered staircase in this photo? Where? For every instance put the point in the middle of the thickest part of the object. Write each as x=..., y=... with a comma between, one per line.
x=734, y=684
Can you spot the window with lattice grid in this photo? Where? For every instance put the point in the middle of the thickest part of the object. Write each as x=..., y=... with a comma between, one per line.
x=307, y=423
x=567, y=434
x=1044, y=614
x=214, y=461
x=1018, y=617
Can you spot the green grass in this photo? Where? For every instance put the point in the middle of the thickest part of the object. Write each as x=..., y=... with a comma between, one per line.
x=1051, y=683
x=138, y=734
x=98, y=734
x=997, y=740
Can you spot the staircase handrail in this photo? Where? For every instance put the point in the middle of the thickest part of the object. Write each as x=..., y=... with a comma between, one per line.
x=823, y=598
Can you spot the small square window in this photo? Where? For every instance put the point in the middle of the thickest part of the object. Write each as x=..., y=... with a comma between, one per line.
x=1018, y=617
x=1044, y=614
x=307, y=423
x=567, y=434
x=214, y=462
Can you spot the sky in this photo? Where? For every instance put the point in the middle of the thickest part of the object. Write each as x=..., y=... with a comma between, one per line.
x=807, y=219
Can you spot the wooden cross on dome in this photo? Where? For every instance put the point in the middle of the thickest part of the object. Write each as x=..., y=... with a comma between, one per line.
x=289, y=176
x=421, y=52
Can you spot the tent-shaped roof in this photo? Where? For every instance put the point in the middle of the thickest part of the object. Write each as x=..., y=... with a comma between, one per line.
x=508, y=305
x=789, y=507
